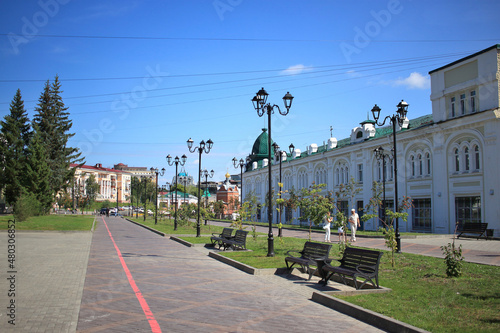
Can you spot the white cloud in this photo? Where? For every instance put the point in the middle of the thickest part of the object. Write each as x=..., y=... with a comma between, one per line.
x=414, y=81
x=295, y=69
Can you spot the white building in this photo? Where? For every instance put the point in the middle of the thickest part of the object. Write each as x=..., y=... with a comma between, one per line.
x=447, y=161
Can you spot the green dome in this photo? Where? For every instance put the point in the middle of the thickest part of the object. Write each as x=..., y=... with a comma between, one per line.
x=259, y=149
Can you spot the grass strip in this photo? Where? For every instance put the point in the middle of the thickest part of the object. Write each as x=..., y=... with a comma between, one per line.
x=51, y=222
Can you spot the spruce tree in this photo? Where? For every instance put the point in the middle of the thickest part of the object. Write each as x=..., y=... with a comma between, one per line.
x=53, y=124
x=38, y=173
x=15, y=136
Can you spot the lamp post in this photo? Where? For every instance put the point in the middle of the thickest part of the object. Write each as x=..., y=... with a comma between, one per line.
x=399, y=119
x=240, y=164
x=115, y=183
x=203, y=147
x=206, y=174
x=161, y=173
x=279, y=154
x=176, y=161
x=145, y=195
x=262, y=107
x=381, y=155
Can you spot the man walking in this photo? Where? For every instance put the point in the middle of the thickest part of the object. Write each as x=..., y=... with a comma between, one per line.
x=354, y=224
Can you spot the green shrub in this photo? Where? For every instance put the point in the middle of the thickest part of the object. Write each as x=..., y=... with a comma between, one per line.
x=26, y=206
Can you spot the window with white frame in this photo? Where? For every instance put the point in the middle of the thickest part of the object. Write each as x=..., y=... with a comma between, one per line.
x=457, y=160
x=302, y=179
x=466, y=157
x=412, y=163
x=477, y=157
x=422, y=214
x=420, y=165
x=320, y=175
x=428, y=164
x=360, y=173
x=462, y=104
x=452, y=107
x=472, y=101
x=341, y=174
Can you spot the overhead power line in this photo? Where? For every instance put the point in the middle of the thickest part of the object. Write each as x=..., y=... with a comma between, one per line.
x=256, y=39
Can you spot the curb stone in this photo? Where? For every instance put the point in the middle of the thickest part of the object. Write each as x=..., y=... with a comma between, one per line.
x=370, y=317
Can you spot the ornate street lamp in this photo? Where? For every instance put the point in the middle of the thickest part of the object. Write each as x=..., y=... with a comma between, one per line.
x=240, y=164
x=203, y=147
x=380, y=154
x=262, y=107
x=176, y=161
x=278, y=153
x=162, y=172
x=206, y=174
x=399, y=119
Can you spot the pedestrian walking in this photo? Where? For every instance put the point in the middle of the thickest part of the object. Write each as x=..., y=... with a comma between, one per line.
x=327, y=225
x=354, y=224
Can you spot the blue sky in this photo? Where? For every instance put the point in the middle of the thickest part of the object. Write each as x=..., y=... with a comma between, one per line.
x=142, y=77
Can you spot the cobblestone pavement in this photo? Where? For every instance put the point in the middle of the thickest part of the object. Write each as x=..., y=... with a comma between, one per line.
x=49, y=274
x=183, y=290
x=480, y=251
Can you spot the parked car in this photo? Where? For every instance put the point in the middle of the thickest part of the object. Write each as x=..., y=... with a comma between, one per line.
x=103, y=211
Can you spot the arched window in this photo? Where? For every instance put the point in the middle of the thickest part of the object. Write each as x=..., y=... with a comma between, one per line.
x=337, y=176
x=457, y=160
x=467, y=159
x=477, y=164
x=420, y=166
x=412, y=162
x=428, y=164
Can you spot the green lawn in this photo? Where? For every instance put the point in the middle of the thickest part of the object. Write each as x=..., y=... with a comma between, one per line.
x=51, y=222
x=167, y=226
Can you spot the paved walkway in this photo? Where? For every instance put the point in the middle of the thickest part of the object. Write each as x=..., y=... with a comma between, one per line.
x=50, y=270
x=181, y=289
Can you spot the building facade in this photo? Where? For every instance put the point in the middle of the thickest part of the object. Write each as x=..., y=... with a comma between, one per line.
x=114, y=184
x=447, y=160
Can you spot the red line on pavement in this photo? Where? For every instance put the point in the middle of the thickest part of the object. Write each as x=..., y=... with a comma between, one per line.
x=155, y=327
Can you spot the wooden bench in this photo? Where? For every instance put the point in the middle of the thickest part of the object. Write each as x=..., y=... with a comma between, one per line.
x=309, y=256
x=217, y=239
x=238, y=242
x=356, y=263
x=474, y=228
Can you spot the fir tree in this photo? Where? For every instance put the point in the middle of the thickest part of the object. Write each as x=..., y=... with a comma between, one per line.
x=53, y=124
x=15, y=136
x=38, y=173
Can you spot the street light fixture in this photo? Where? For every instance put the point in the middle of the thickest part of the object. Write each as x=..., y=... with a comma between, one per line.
x=176, y=161
x=240, y=164
x=206, y=174
x=278, y=153
x=203, y=147
x=262, y=107
x=381, y=155
x=161, y=173
x=399, y=119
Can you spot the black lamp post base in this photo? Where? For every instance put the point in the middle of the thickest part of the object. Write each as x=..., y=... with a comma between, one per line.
x=270, y=246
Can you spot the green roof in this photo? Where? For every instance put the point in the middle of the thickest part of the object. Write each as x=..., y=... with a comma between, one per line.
x=379, y=132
